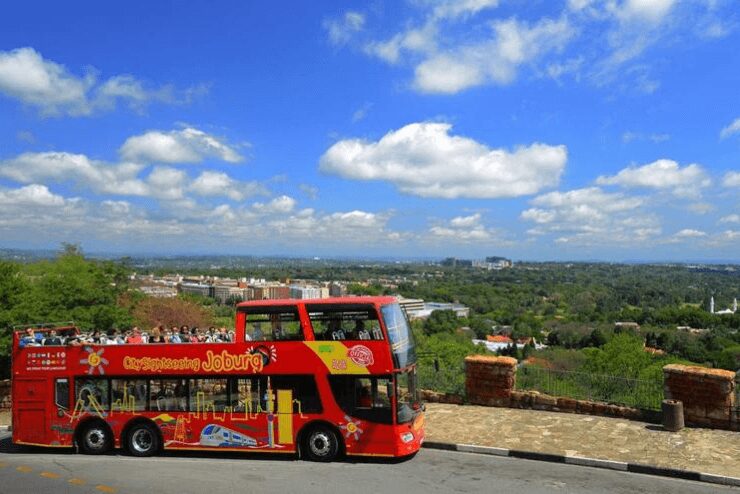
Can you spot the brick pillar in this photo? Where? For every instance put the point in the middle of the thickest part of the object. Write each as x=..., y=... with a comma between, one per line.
x=489, y=380
x=708, y=395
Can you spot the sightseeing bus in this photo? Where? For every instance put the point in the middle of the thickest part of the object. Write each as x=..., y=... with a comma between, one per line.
x=320, y=378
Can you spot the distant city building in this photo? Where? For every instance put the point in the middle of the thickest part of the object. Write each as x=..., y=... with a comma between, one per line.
x=337, y=289
x=455, y=262
x=222, y=293
x=626, y=325
x=159, y=291
x=496, y=343
x=270, y=292
x=305, y=292
x=723, y=312
x=689, y=329
x=418, y=309
x=197, y=289
x=490, y=263
x=410, y=305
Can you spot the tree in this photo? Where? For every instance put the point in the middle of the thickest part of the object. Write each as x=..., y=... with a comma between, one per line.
x=729, y=358
x=623, y=356
x=233, y=300
x=441, y=321
x=12, y=287
x=151, y=311
x=597, y=338
x=71, y=288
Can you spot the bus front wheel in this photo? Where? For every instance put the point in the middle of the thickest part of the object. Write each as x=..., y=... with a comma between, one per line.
x=321, y=443
x=142, y=440
x=95, y=439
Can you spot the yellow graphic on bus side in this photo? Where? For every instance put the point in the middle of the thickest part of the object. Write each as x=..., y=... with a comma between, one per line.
x=334, y=355
x=285, y=416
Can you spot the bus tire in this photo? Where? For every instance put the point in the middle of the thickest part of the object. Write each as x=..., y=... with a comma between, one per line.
x=321, y=443
x=95, y=438
x=142, y=439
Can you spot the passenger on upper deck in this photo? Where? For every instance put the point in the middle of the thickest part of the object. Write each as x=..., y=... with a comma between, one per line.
x=175, y=336
x=135, y=337
x=223, y=336
x=28, y=339
x=185, y=334
x=52, y=339
x=156, y=335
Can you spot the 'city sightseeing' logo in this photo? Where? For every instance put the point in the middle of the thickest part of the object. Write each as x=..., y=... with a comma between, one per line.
x=361, y=355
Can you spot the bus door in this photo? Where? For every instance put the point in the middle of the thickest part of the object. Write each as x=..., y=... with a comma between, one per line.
x=29, y=402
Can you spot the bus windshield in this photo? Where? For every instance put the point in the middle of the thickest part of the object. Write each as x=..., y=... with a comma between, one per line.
x=399, y=334
x=407, y=395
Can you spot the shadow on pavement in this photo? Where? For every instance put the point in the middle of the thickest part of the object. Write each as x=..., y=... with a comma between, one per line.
x=657, y=428
x=7, y=447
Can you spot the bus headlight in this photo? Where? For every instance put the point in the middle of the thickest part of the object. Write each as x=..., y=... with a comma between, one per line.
x=407, y=437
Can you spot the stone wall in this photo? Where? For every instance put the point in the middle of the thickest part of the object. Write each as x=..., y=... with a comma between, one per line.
x=539, y=401
x=489, y=380
x=708, y=395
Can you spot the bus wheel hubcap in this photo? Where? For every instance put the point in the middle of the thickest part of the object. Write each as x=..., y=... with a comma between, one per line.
x=142, y=440
x=95, y=438
x=320, y=444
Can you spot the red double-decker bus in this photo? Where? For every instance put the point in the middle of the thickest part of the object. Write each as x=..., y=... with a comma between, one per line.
x=320, y=378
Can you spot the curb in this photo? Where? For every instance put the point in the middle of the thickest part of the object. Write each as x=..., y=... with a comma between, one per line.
x=588, y=462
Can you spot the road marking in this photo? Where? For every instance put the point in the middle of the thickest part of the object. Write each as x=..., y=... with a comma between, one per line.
x=105, y=488
x=3, y=465
x=50, y=475
x=76, y=481
x=24, y=469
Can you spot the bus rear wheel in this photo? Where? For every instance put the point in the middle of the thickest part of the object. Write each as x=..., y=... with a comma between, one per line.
x=142, y=440
x=95, y=439
x=321, y=443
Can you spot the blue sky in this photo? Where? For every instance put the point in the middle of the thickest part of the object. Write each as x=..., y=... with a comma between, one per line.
x=563, y=130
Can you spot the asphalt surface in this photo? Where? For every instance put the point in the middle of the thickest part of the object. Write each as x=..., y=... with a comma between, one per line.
x=40, y=471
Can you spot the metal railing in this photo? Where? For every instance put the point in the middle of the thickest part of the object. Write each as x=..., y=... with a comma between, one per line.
x=643, y=394
x=435, y=376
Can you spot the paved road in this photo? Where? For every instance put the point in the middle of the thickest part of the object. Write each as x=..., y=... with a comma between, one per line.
x=40, y=471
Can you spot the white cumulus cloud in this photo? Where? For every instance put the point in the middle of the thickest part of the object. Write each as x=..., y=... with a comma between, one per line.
x=591, y=216
x=423, y=159
x=492, y=61
x=211, y=183
x=730, y=218
x=30, y=195
x=123, y=179
x=462, y=228
x=731, y=129
x=688, y=233
x=652, y=11
x=188, y=145
x=661, y=174
x=282, y=204
x=731, y=179
x=62, y=167
x=49, y=86
x=341, y=29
